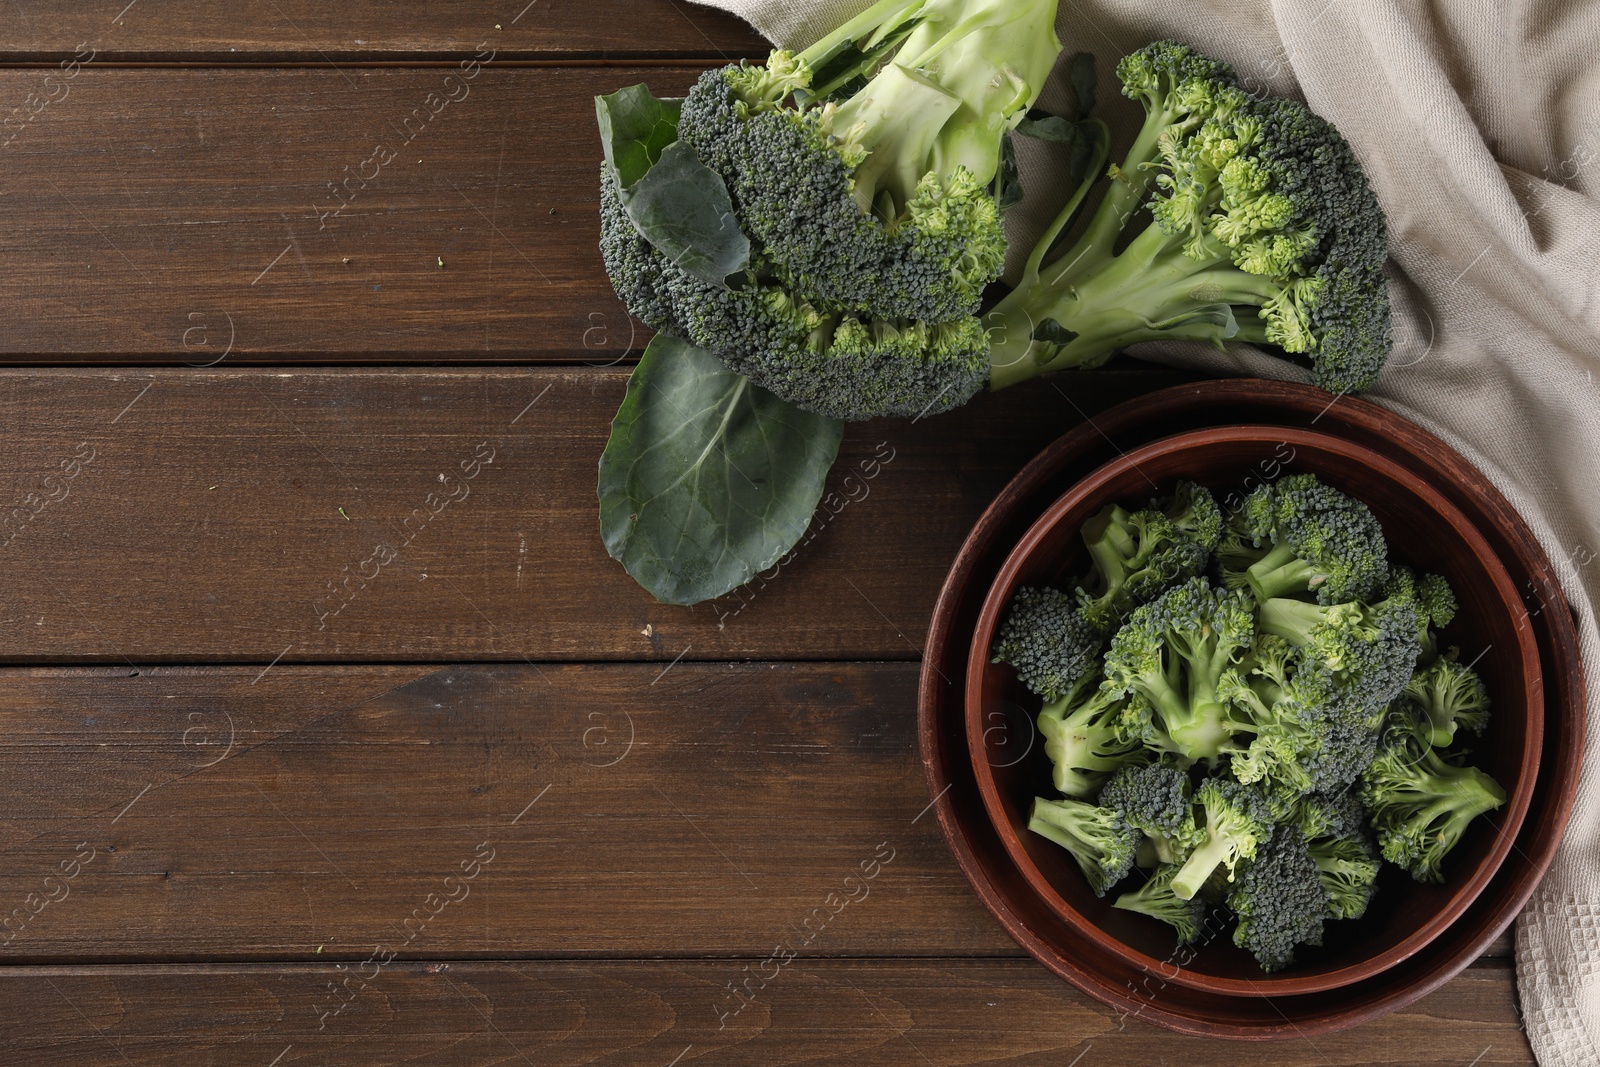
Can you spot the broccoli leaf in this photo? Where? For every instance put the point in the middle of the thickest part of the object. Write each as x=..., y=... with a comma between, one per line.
x=635, y=128
x=1007, y=180
x=678, y=204
x=1083, y=82
x=707, y=479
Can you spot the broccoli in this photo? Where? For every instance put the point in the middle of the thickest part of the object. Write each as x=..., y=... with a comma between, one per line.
x=1156, y=899
x=861, y=164
x=1349, y=868
x=1371, y=650
x=1084, y=740
x=1171, y=655
x=1279, y=899
x=1299, y=536
x=1451, y=697
x=1048, y=643
x=1237, y=824
x=1264, y=230
x=1420, y=804
x=1156, y=801
x=1054, y=642
x=1137, y=555
x=830, y=362
x=1099, y=839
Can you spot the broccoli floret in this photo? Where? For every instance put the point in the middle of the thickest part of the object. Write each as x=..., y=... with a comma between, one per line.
x=1370, y=650
x=1085, y=741
x=1051, y=647
x=1329, y=814
x=1099, y=839
x=1436, y=607
x=1137, y=555
x=1155, y=800
x=1237, y=823
x=1279, y=900
x=1349, y=867
x=1264, y=230
x=1298, y=536
x=1451, y=696
x=1171, y=655
x=1420, y=804
x=862, y=163
x=1156, y=899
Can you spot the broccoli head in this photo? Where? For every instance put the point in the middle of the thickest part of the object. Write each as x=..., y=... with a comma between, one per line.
x=862, y=163
x=1349, y=867
x=1156, y=899
x=1237, y=823
x=1099, y=839
x=1048, y=643
x=1279, y=900
x=1262, y=228
x=1155, y=799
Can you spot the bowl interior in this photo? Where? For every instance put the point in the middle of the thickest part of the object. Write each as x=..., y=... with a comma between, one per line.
x=1423, y=531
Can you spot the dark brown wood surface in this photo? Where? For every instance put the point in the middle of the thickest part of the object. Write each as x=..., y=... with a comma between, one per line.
x=236, y=755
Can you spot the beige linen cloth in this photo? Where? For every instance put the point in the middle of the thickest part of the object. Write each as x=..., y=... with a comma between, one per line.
x=1479, y=126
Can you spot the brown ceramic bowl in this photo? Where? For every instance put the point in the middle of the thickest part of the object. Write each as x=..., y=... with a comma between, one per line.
x=1424, y=530
x=1145, y=995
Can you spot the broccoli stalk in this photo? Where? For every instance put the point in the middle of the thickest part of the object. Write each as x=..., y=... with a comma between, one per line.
x=1156, y=899
x=1099, y=839
x=1237, y=823
x=1084, y=741
x=1264, y=230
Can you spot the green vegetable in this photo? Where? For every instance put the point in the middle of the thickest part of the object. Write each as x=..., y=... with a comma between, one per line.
x=1263, y=229
x=1279, y=899
x=1156, y=899
x=1098, y=838
x=693, y=440
x=1237, y=824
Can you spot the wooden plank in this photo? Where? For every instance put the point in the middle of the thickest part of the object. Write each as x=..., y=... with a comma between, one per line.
x=186, y=216
x=603, y=811
x=299, y=31
x=948, y=1012
x=328, y=514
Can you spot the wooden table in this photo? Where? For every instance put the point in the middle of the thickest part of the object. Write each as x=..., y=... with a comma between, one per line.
x=312, y=643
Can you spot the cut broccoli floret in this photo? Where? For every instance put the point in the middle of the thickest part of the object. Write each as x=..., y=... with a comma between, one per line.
x=1237, y=822
x=1171, y=655
x=861, y=164
x=1084, y=739
x=1099, y=839
x=1298, y=536
x=1051, y=647
x=1349, y=867
x=1451, y=696
x=1156, y=899
x=1420, y=804
x=1156, y=801
x=1264, y=230
x=1137, y=555
x=1279, y=900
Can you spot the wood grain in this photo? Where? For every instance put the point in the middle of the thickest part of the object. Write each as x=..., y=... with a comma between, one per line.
x=184, y=216
x=299, y=31
x=208, y=524
x=912, y=1013
x=628, y=810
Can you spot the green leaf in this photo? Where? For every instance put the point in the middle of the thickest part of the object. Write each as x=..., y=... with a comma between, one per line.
x=707, y=479
x=635, y=128
x=682, y=207
x=1083, y=82
x=1007, y=179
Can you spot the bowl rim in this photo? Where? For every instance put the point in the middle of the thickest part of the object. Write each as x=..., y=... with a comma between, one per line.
x=1519, y=793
